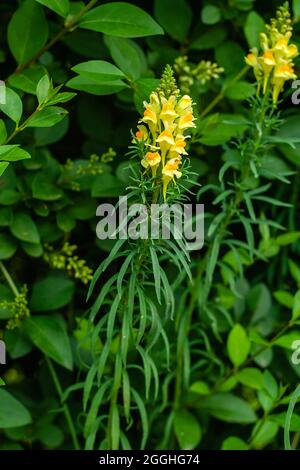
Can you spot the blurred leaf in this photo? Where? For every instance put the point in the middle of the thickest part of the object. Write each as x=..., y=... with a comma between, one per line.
x=296, y=306
x=128, y=55
x=234, y=443
x=44, y=189
x=187, y=429
x=12, y=412
x=254, y=25
x=175, y=19
x=61, y=7
x=13, y=107
x=98, y=70
x=94, y=87
x=51, y=293
x=240, y=91
x=49, y=334
x=120, y=19
x=28, y=79
x=284, y=298
x=228, y=407
x=265, y=434
x=238, y=345
x=47, y=117
x=24, y=228
x=27, y=31
x=209, y=40
x=8, y=246
x=210, y=14
x=250, y=377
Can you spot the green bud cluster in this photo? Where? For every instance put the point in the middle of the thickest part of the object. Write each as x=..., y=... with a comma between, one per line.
x=188, y=73
x=18, y=308
x=66, y=260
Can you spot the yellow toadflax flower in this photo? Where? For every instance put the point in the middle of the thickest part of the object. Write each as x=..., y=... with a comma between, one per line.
x=169, y=171
x=162, y=129
x=274, y=67
x=151, y=160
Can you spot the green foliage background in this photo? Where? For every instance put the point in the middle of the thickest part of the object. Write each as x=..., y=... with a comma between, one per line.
x=76, y=77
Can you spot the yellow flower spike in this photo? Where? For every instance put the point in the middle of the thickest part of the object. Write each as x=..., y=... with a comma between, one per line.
x=170, y=170
x=151, y=160
x=274, y=67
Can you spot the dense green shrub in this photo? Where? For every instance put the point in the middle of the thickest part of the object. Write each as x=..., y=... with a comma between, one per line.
x=174, y=349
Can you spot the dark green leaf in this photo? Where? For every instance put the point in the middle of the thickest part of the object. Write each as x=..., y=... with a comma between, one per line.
x=120, y=19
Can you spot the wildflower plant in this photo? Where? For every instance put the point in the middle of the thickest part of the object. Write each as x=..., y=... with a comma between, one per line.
x=274, y=67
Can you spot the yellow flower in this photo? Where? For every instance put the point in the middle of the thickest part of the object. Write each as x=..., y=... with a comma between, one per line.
x=151, y=160
x=141, y=133
x=251, y=59
x=267, y=62
x=183, y=104
x=168, y=113
x=268, y=59
x=292, y=51
x=170, y=170
x=179, y=145
x=149, y=116
x=165, y=140
x=281, y=44
x=166, y=137
x=186, y=121
x=264, y=41
x=152, y=110
x=282, y=73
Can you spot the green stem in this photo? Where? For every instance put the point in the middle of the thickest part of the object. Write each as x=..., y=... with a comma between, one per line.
x=64, y=406
x=221, y=95
x=20, y=128
x=9, y=279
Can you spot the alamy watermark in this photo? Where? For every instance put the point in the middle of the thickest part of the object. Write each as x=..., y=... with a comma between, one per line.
x=156, y=221
x=2, y=352
x=296, y=94
x=296, y=354
x=2, y=92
